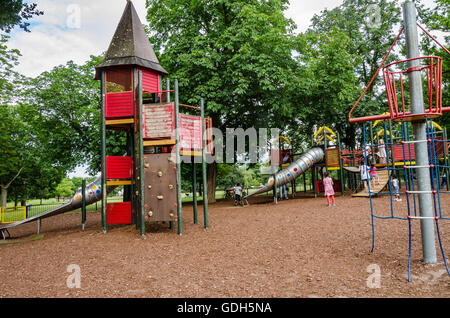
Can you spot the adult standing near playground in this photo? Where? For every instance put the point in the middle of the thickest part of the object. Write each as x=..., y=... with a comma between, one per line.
x=237, y=194
x=382, y=151
x=444, y=180
x=283, y=189
x=363, y=170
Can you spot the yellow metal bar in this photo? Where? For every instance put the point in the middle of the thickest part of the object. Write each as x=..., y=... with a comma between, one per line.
x=118, y=182
x=327, y=129
x=119, y=121
x=381, y=132
x=287, y=140
x=13, y=214
x=321, y=138
x=190, y=153
x=161, y=142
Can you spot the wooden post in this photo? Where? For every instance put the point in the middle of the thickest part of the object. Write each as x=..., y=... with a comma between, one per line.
x=194, y=189
x=204, y=175
x=140, y=184
x=178, y=159
x=103, y=142
x=83, y=204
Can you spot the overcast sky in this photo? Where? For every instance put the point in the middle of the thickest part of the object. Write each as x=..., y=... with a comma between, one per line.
x=76, y=29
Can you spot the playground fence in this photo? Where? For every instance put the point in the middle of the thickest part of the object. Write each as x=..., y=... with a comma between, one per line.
x=35, y=209
x=12, y=214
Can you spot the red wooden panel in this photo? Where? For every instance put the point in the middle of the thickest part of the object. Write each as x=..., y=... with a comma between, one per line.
x=119, y=167
x=150, y=81
x=190, y=132
x=398, y=152
x=118, y=213
x=158, y=120
x=119, y=105
x=439, y=147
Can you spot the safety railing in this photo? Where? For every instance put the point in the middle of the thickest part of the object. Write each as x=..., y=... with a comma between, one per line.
x=13, y=214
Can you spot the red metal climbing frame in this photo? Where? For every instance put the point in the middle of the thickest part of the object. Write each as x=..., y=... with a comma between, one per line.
x=394, y=79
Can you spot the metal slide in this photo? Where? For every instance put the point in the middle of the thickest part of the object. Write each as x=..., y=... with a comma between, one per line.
x=297, y=168
x=93, y=194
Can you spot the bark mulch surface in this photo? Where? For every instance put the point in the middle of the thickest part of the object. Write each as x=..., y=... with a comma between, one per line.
x=298, y=248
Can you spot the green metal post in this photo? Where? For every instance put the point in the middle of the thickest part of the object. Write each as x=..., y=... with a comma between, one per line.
x=168, y=100
x=371, y=143
x=446, y=157
x=204, y=175
x=103, y=132
x=168, y=89
x=178, y=159
x=128, y=190
x=83, y=204
x=275, y=197
x=341, y=165
x=141, y=159
x=313, y=172
x=325, y=144
x=134, y=184
x=391, y=137
x=304, y=182
x=194, y=189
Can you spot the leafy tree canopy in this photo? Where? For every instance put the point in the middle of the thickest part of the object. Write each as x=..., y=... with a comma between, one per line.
x=16, y=12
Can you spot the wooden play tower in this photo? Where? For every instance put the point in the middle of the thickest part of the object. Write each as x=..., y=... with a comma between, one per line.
x=158, y=136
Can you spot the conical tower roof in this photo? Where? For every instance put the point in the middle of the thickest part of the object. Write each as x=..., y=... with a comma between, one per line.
x=130, y=45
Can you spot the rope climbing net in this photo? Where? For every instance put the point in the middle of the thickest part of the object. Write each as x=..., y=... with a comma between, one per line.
x=438, y=166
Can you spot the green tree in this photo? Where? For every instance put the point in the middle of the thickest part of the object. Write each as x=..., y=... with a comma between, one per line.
x=16, y=12
x=64, y=188
x=368, y=29
x=437, y=18
x=235, y=54
x=13, y=140
x=9, y=79
x=66, y=100
x=326, y=86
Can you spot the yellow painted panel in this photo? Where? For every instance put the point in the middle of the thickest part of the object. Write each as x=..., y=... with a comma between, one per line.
x=119, y=121
x=118, y=182
x=162, y=142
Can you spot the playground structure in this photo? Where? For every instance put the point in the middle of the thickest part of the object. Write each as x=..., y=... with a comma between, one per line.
x=157, y=133
x=158, y=136
x=420, y=150
x=326, y=154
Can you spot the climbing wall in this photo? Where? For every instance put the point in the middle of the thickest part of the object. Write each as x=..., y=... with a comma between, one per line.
x=160, y=181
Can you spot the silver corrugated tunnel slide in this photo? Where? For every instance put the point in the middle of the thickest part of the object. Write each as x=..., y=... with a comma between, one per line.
x=93, y=194
x=297, y=168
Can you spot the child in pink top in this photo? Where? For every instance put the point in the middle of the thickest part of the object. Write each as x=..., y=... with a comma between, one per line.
x=374, y=175
x=328, y=188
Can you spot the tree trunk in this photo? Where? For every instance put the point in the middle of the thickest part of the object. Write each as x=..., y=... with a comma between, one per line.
x=211, y=172
x=4, y=194
x=23, y=202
